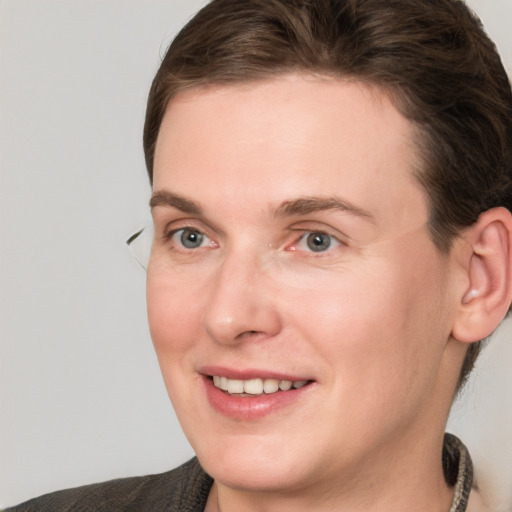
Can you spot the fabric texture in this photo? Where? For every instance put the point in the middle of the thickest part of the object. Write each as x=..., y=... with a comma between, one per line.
x=186, y=489
x=458, y=471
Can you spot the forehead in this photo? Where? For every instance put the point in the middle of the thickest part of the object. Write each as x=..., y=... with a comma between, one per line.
x=296, y=135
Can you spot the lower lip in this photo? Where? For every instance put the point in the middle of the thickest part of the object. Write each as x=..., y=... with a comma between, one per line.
x=251, y=407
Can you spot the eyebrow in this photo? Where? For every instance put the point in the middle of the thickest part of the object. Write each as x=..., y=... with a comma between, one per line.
x=307, y=205
x=166, y=198
x=300, y=206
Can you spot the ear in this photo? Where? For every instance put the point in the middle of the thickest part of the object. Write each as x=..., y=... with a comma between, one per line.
x=486, y=297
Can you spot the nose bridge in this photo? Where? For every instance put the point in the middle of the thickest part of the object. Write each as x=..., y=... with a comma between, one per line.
x=240, y=302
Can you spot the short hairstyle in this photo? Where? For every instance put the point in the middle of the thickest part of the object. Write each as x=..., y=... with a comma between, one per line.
x=431, y=57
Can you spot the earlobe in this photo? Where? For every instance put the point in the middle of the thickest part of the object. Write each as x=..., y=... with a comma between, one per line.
x=486, y=299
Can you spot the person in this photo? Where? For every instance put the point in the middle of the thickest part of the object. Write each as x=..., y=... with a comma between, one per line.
x=331, y=196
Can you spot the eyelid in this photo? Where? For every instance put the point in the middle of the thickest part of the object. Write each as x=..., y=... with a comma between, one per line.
x=174, y=243
x=302, y=239
x=170, y=227
x=169, y=230
x=320, y=227
x=203, y=243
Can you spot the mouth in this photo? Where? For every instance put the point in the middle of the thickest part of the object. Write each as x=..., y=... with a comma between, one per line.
x=256, y=386
x=252, y=394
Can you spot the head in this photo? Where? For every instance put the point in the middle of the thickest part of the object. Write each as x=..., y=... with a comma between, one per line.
x=328, y=181
x=431, y=58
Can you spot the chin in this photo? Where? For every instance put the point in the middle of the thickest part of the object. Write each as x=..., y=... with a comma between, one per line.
x=252, y=475
x=256, y=463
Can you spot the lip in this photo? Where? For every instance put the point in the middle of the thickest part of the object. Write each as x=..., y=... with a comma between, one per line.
x=252, y=373
x=250, y=408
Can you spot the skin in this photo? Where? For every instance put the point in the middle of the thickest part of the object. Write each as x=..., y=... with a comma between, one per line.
x=368, y=320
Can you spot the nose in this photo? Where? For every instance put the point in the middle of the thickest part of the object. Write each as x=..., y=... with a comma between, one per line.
x=241, y=302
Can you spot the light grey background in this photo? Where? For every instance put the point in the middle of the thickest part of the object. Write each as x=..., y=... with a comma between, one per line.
x=81, y=397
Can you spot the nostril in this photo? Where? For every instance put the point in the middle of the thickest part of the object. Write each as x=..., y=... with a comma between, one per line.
x=250, y=334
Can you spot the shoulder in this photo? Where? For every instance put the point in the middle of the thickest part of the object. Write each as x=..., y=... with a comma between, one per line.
x=183, y=488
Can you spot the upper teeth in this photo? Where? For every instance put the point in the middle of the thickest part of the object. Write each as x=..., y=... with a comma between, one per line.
x=255, y=386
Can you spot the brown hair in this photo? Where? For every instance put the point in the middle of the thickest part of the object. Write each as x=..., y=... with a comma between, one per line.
x=432, y=57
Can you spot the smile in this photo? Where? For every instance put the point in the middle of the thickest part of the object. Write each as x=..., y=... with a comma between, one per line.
x=255, y=387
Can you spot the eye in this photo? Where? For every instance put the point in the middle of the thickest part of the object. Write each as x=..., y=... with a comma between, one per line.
x=189, y=238
x=317, y=241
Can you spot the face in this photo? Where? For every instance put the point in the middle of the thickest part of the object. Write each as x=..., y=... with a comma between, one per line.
x=291, y=251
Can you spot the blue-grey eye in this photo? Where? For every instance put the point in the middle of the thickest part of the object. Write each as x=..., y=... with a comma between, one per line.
x=318, y=242
x=190, y=238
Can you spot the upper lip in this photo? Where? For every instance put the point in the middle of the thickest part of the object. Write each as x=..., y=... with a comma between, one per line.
x=247, y=374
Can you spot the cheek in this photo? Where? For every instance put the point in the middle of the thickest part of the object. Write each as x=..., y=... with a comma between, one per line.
x=173, y=321
x=173, y=314
x=379, y=325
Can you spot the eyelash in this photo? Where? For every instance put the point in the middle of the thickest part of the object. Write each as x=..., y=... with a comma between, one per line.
x=315, y=238
x=306, y=237
x=172, y=237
